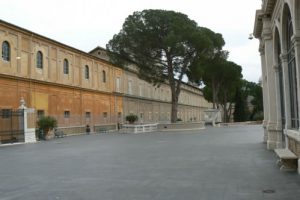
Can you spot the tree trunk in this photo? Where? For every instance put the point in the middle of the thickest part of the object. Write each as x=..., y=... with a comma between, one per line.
x=174, y=110
x=225, y=114
x=229, y=111
x=214, y=94
x=225, y=108
x=174, y=86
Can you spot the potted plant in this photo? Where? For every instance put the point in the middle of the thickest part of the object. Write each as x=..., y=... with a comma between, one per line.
x=46, y=124
x=131, y=118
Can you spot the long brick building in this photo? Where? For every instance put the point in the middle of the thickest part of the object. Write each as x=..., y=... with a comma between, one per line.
x=80, y=88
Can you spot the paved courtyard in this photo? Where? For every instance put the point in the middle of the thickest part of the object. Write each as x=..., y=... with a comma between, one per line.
x=217, y=163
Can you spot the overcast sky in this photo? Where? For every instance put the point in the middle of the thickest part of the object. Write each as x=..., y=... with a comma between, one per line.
x=85, y=24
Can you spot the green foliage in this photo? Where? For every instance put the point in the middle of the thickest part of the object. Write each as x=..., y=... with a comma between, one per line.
x=258, y=116
x=240, y=113
x=165, y=46
x=221, y=78
x=47, y=123
x=217, y=73
x=245, y=109
x=255, y=90
x=131, y=118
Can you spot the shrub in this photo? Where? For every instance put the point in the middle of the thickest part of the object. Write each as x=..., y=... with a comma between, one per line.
x=259, y=116
x=131, y=118
x=47, y=123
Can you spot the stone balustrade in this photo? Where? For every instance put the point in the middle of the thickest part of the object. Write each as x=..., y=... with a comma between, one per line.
x=141, y=128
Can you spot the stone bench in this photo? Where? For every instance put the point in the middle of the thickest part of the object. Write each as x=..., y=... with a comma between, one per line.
x=287, y=159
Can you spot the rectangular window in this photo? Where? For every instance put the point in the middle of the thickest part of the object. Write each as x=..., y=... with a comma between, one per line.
x=40, y=114
x=117, y=84
x=149, y=92
x=67, y=114
x=88, y=115
x=119, y=115
x=104, y=76
x=105, y=115
x=6, y=113
x=141, y=90
x=130, y=87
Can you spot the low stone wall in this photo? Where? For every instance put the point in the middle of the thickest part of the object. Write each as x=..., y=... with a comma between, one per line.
x=74, y=130
x=134, y=128
x=107, y=127
x=181, y=126
x=142, y=128
x=240, y=123
x=78, y=130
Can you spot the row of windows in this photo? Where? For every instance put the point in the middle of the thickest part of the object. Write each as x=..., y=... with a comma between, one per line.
x=67, y=114
x=39, y=62
x=87, y=73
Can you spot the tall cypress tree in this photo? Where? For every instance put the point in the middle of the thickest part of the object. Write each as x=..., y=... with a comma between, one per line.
x=240, y=114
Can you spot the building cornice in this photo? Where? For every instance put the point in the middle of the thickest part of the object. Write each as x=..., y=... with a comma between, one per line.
x=258, y=24
x=34, y=35
x=265, y=12
x=268, y=6
x=53, y=42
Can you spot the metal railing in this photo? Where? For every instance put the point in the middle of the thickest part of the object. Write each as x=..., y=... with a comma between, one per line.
x=11, y=126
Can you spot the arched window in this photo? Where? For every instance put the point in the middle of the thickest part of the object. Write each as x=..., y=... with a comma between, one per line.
x=104, y=76
x=292, y=72
x=66, y=66
x=39, y=60
x=86, y=72
x=5, y=51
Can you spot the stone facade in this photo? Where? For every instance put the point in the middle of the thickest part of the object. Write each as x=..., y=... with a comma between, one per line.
x=277, y=26
x=153, y=104
x=80, y=88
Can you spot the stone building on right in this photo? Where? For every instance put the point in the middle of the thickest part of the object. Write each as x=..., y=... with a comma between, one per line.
x=277, y=27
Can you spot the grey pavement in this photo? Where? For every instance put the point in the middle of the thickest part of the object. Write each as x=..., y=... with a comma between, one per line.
x=213, y=164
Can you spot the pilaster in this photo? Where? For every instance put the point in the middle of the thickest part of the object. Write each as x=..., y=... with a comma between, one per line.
x=284, y=63
x=277, y=94
x=274, y=132
x=265, y=90
x=274, y=136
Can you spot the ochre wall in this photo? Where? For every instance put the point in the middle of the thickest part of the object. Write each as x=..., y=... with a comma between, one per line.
x=49, y=89
x=54, y=92
x=55, y=100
